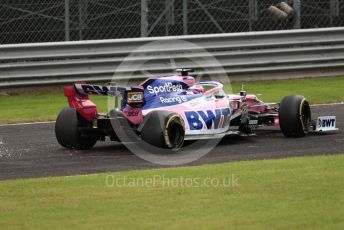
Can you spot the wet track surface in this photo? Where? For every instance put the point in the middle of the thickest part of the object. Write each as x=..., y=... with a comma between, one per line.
x=32, y=151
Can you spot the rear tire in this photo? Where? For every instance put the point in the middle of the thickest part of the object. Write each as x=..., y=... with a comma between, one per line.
x=294, y=116
x=163, y=129
x=67, y=130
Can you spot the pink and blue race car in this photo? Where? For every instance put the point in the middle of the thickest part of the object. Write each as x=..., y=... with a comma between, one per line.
x=166, y=111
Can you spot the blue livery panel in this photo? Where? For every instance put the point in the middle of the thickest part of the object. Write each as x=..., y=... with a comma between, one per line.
x=161, y=93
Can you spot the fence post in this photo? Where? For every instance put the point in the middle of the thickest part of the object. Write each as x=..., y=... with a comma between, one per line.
x=167, y=16
x=185, y=17
x=297, y=8
x=253, y=13
x=334, y=9
x=82, y=5
x=67, y=29
x=144, y=19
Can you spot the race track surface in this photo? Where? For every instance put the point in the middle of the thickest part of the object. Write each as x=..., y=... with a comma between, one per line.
x=28, y=151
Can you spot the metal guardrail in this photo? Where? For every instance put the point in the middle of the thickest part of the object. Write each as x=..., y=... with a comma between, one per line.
x=251, y=55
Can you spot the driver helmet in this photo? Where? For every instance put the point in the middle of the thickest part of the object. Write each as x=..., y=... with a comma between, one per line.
x=196, y=89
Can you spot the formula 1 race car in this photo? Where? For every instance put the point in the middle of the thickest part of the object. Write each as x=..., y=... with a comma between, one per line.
x=165, y=111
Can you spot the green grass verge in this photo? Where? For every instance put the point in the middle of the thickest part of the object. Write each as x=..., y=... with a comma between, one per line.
x=44, y=106
x=316, y=90
x=37, y=107
x=294, y=193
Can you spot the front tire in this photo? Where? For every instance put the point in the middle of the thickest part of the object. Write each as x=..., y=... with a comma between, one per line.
x=294, y=116
x=67, y=130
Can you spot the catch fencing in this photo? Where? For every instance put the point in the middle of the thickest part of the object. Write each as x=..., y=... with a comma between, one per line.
x=28, y=21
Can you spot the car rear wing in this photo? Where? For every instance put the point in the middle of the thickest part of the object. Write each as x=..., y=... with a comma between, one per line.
x=134, y=96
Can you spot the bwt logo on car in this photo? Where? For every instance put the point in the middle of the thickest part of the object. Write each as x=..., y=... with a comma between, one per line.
x=211, y=118
x=326, y=122
x=95, y=89
x=166, y=88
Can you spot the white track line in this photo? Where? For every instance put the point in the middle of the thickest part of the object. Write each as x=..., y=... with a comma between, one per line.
x=339, y=103
x=49, y=122
x=30, y=123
